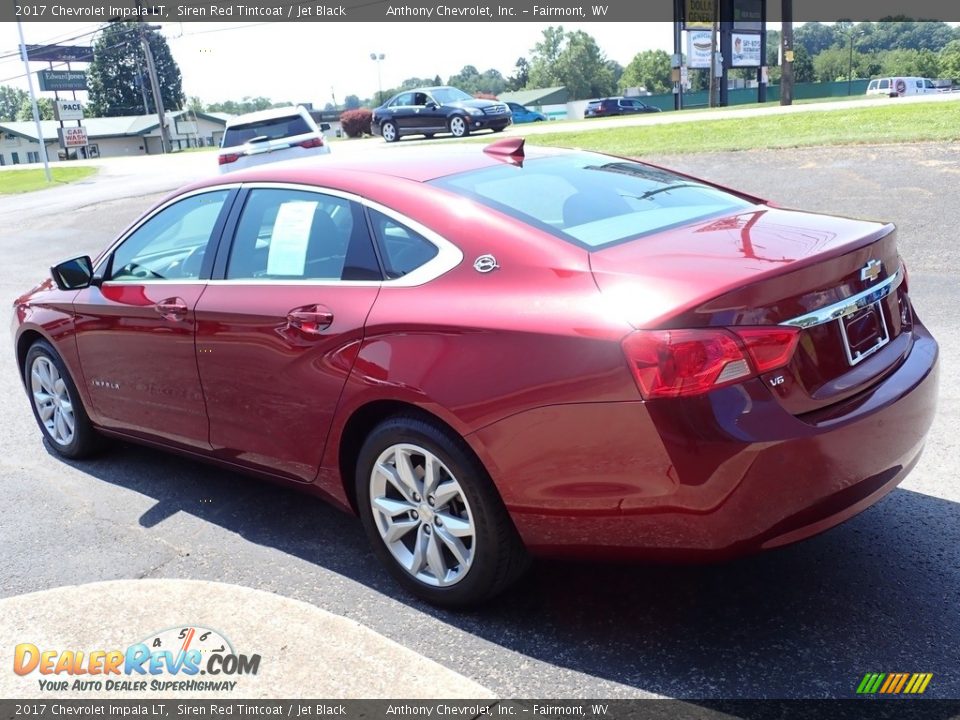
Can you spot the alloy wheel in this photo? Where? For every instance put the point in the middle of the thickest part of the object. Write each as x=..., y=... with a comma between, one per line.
x=52, y=400
x=422, y=515
x=458, y=127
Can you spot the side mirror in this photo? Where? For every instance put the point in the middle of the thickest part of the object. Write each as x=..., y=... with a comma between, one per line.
x=431, y=105
x=73, y=274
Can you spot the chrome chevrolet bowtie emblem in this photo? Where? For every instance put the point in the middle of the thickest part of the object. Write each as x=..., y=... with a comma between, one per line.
x=485, y=264
x=871, y=271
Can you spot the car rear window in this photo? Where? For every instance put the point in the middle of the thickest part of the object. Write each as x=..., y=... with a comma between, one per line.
x=592, y=200
x=272, y=129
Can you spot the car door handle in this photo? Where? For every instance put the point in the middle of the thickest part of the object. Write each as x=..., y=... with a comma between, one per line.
x=310, y=320
x=172, y=308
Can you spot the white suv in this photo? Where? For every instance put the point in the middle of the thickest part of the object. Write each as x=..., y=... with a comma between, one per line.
x=267, y=136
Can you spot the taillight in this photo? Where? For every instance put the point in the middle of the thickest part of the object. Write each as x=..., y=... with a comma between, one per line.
x=769, y=348
x=228, y=158
x=681, y=363
x=312, y=143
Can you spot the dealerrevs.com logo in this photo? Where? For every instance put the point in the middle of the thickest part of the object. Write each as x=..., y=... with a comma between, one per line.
x=171, y=660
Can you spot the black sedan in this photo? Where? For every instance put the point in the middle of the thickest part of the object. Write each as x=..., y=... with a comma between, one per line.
x=433, y=110
x=608, y=107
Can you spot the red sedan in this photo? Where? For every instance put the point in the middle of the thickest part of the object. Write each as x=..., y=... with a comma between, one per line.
x=487, y=354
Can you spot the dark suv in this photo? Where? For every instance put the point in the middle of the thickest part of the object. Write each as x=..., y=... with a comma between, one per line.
x=432, y=110
x=617, y=106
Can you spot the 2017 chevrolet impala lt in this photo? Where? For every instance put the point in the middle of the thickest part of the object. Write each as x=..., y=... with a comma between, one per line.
x=490, y=354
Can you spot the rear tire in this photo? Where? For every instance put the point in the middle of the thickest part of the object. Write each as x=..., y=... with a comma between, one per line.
x=56, y=404
x=432, y=515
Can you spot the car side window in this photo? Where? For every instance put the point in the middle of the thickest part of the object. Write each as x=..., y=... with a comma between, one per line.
x=300, y=235
x=403, y=250
x=171, y=244
x=884, y=84
x=420, y=99
x=928, y=84
x=406, y=99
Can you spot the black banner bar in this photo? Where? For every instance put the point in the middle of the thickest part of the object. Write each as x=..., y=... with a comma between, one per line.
x=538, y=11
x=854, y=709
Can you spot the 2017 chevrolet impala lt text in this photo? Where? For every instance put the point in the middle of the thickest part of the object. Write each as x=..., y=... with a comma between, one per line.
x=491, y=354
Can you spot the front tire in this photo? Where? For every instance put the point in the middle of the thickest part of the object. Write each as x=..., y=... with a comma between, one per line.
x=56, y=403
x=459, y=127
x=389, y=132
x=432, y=515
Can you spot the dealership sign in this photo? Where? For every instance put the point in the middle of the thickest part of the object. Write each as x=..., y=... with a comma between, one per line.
x=68, y=110
x=55, y=80
x=699, y=43
x=746, y=49
x=73, y=137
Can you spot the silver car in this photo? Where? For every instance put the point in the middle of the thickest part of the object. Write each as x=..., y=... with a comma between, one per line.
x=282, y=133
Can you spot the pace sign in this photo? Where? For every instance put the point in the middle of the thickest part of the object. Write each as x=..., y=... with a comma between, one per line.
x=68, y=110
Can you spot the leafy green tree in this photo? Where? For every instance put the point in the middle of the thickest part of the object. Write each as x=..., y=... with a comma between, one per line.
x=950, y=60
x=44, y=107
x=195, y=104
x=543, y=71
x=119, y=66
x=521, y=77
x=803, y=66
x=11, y=99
x=352, y=102
x=649, y=69
x=472, y=81
x=573, y=60
x=815, y=37
x=904, y=34
x=831, y=65
x=616, y=71
x=919, y=63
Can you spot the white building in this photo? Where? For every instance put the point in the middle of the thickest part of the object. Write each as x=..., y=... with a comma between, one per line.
x=113, y=136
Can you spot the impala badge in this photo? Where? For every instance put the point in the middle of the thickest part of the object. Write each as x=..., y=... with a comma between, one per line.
x=485, y=264
x=871, y=271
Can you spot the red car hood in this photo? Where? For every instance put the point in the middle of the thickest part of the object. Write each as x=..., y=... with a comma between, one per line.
x=657, y=277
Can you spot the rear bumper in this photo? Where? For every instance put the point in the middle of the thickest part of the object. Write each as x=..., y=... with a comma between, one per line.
x=718, y=476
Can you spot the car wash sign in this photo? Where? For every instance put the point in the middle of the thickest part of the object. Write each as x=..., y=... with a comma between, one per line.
x=71, y=137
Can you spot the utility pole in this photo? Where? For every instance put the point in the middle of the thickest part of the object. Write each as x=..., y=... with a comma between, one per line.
x=786, y=46
x=154, y=83
x=33, y=105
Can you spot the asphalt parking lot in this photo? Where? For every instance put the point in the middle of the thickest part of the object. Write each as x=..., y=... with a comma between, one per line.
x=878, y=594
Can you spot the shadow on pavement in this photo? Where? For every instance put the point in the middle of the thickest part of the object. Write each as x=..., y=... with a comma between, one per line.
x=878, y=594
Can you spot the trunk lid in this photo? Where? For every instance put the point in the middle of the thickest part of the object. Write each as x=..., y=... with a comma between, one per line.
x=838, y=279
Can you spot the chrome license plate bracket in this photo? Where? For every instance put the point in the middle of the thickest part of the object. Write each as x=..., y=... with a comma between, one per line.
x=868, y=328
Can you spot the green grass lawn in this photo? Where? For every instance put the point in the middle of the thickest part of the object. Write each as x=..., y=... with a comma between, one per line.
x=867, y=125
x=21, y=181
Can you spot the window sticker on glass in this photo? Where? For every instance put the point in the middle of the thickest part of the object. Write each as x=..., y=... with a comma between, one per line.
x=291, y=235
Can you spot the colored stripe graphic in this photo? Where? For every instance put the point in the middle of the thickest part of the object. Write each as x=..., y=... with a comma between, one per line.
x=894, y=683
